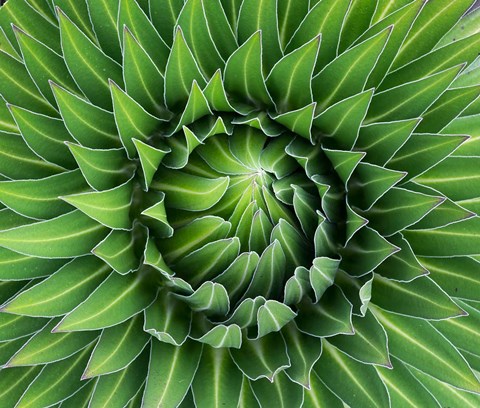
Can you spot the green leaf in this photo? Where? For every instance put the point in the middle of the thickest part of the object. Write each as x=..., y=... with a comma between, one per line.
x=439, y=242
x=56, y=382
x=296, y=92
x=255, y=16
x=180, y=72
x=325, y=17
x=262, y=358
x=304, y=207
x=430, y=26
x=115, y=390
x=210, y=298
x=457, y=276
x=381, y=141
x=402, y=17
x=347, y=75
x=275, y=159
x=18, y=379
x=402, y=207
x=421, y=297
x=223, y=336
x=322, y=275
x=90, y=125
x=69, y=235
x=272, y=316
x=243, y=73
x=193, y=20
x=34, y=55
x=20, y=89
x=368, y=345
x=245, y=315
x=319, y=395
x=355, y=383
x=290, y=15
x=131, y=15
x=456, y=177
x=423, y=151
x=297, y=286
x=370, y=182
x=340, y=123
x=143, y=80
x=39, y=198
x=47, y=347
x=357, y=20
x=168, y=319
x=56, y=295
x=190, y=192
x=344, y=162
x=120, y=297
x=103, y=16
x=403, y=265
x=269, y=274
x=118, y=251
x=299, y=121
x=17, y=160
x=410, y=100
x=102, y=169
x=193, y=236
x=330, y=316
x=78, y=13
x=417, y=343
x=14, y=327
x=445, y=393
x=365, y=251
x=131, y=119
x=400, y=384
x=303, y=351
x=462, y=332
x=88, y=65
x=44, y=135
x=447, y=108
x=170, y=373
x=156, y=217
x=281, y=392
x=260, y=231
x=214, y=91
x=237, y=276
x=164, y=15
x=218, y=381
x=110, y=207
x=458, y=52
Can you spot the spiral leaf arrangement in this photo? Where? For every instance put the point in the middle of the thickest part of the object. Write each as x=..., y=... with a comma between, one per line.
x=222, y=203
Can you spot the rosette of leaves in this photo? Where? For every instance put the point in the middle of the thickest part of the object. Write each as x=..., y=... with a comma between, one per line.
x=239, y=203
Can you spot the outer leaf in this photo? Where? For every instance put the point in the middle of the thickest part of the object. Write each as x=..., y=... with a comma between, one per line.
x=68, y=235
x=272, y=316
x=255, y=16
x=56, y=295
x=354, y=383
x=110, y=207
x=262, y=358
x=89, y=66
x=347, y=74
x=131, y=15
x=319, y=395
x=280, y=393
x=410, y=100
x=243, y=73
x=439, y=242
x=170, y=373
x=39, y=198
x=303, y=351
x=14, y=327
x=120, y=297
x=46, y=347
x=56, y=382
x=115, y=390
x=18, y=379
x=330, y=316
x=369, y=343
x=418, y=344
x=181, y=71
x=325, y=17
x=218, y=381
x=89, y=125
x=117, y=347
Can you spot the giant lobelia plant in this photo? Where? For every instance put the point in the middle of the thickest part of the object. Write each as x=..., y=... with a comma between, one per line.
x=239, y=203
